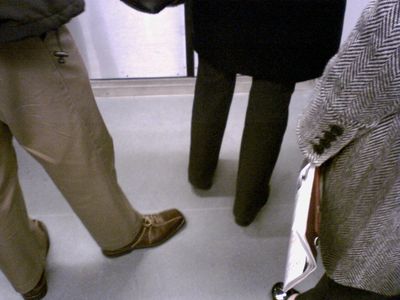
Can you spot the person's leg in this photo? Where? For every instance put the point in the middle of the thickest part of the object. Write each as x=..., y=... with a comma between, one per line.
x=22, y=243
x=327, y=289
x=49, y=108
x=265, y=125
x=51, y=111
x=212, y=100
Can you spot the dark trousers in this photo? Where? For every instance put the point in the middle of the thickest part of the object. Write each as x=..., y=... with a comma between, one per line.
x=327, y=289
x=265, y=125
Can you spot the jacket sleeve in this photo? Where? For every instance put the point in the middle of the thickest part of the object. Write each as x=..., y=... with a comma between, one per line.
x=26, y=18
x=360, y=85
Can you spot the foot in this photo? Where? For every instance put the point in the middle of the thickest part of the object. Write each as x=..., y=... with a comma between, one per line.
x=248, y=205
x=40, y=290
x=247, y=218
x=201, y=184
x=156, y=229
x=244, y=222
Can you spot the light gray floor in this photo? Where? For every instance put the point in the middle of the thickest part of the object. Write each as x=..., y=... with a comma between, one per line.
x=212, y=258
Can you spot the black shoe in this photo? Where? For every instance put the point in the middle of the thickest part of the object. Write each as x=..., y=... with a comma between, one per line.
x=248, y=205
x=278, y=293
x=245, y=218
x=201, y=184
x=244, y=222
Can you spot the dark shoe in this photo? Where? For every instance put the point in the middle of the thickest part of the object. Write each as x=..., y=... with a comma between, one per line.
x=156, y=229
x=200, y=184
x=40, y=290
x=246, y=218
x=248, y=205
x=244, y=222
x=278, y=293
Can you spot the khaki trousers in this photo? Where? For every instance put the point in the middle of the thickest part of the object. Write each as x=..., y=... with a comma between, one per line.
x=50, y=110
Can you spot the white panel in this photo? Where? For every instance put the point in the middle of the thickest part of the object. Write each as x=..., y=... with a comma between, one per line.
x=353, y=12
x=119, y=42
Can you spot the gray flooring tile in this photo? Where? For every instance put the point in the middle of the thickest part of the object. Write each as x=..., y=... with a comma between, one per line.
x=212, y=258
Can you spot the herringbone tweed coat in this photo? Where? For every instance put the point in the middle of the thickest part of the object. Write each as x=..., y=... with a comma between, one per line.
x=353, y=126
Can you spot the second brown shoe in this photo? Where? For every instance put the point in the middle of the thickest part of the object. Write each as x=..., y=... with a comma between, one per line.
x=156, y=229
x=40, y=290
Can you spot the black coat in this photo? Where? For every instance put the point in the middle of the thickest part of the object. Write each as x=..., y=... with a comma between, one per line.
x=279, y=40
x=25, y=18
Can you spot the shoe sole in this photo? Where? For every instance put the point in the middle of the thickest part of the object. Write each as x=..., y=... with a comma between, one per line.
x=42, y=293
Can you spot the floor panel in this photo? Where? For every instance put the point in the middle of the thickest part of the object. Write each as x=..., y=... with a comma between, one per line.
x=212, y=258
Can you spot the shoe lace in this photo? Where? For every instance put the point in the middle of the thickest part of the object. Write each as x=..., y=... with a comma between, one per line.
x=149, y=220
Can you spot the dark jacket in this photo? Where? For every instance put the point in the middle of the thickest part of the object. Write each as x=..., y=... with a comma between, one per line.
x=25, y=18
x=280, y=40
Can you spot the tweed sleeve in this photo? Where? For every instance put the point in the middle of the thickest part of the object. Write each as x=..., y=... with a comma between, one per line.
x=360, y=85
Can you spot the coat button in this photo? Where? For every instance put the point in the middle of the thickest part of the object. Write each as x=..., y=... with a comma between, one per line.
x=336, y=130
x=319, y=149
x=324, y=143
x=329, y=136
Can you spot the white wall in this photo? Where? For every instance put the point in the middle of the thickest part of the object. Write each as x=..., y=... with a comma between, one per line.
x=119, y=42
x=353, y=12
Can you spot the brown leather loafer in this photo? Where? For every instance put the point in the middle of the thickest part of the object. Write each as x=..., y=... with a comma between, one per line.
x=40, y=290
x=156, y=229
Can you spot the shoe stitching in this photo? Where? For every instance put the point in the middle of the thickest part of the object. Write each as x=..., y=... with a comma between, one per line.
x=133, y=245
x=166, y=222
x=168, y=237
x=147, y=223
